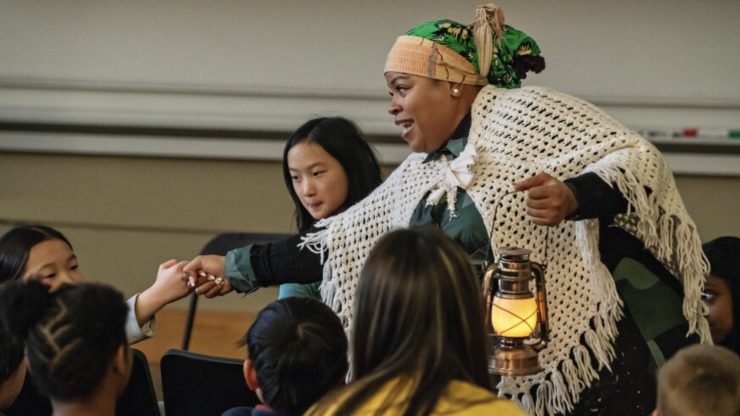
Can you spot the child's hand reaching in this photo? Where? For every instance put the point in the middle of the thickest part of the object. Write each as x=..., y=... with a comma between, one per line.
x=170, y=283
x=168, y=287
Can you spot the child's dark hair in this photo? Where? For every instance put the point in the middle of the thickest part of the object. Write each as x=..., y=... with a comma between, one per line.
x=342, y=140
x=418, y=319
x=299, y=351
x=16, y=245
x=71, y=334
x=723, y=254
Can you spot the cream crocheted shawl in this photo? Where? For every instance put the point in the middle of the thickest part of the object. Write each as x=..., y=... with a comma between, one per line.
x=517, y=134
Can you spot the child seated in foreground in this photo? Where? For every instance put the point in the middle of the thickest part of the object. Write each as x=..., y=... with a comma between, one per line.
x=418, y=336
x=75, y=342
x=297, y=352
x=700, y=380
x=45, y=253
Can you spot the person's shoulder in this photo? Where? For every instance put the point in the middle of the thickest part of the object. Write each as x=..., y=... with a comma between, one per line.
x=500, y=407
x=375, y=404
x=412, y=164
x=477, y=400
x=526, y=91
x=537, y=101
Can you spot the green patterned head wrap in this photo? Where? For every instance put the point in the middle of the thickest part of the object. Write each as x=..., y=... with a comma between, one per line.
x=513, y=53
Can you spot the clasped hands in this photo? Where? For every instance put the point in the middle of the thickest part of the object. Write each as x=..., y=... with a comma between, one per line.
x=205, y=274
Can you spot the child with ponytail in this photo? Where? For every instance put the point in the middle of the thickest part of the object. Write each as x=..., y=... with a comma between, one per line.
x=75, y=342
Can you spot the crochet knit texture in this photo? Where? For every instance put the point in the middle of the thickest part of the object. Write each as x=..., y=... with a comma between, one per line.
x=517, y=134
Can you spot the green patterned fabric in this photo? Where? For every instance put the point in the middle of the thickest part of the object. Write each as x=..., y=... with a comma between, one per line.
x=468, y=228
x=459, y=38
x=656, y=309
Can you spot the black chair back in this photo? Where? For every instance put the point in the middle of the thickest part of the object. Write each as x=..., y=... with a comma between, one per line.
x=139, y=398
x=220, y=245
x=196, y=384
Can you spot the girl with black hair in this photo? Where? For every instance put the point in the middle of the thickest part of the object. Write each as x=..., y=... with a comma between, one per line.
x=297, y=352
x=319, y=143
x=328, y=167
x=722, y=291
x=75, y=342
x=37, y=251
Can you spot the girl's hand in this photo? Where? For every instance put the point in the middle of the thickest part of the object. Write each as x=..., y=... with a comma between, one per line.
x=168, y=287
x=170, y=284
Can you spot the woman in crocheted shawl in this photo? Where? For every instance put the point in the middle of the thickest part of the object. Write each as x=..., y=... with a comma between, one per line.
x=625, y=267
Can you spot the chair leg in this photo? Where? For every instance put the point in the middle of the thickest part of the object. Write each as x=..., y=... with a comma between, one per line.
x=190, y=320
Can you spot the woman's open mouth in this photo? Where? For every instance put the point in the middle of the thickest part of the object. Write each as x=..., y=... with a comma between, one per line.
x=407, y=126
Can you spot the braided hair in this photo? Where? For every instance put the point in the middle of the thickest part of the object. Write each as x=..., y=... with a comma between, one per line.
x=71, y=334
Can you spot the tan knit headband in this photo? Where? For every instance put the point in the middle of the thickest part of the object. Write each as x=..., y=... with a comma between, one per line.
x=418, y=56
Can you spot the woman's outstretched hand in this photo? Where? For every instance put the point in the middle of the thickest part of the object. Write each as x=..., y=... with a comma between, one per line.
x=549, y=200
x=206, y=275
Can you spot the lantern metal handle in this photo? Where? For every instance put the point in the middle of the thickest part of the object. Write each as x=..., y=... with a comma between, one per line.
x=541, y=293
x=488, y=292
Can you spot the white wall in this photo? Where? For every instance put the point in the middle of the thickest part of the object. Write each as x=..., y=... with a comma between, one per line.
x=272, y=64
